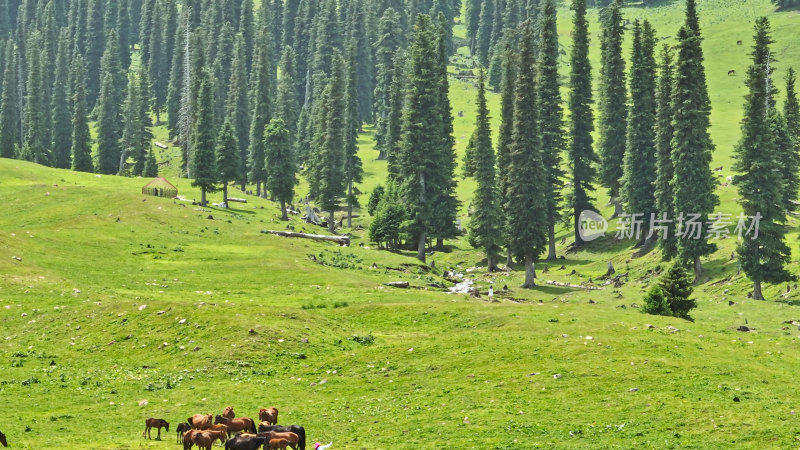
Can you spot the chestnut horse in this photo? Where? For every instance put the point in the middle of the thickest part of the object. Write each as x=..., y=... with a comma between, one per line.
x=228, y=412
x=268, y=415
x=203, y=438
x=200, y=421
x=238, y=424
x=151, y=423
x=3, y=439
x=296, y=429
x=183, y=427
x=278, y=444
x=288, y=436
x=245, y=442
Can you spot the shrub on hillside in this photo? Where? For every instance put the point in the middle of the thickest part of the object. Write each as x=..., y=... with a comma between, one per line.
x=671, y=296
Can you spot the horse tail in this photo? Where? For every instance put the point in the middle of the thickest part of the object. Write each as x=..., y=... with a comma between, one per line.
x=253, y=426
x=302, y=439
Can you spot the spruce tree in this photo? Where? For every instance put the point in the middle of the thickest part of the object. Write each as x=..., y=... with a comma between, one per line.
x=551, y=120
x=81, y=138
x=281, y=165
x=238, y=111
x=504, y=139
x=150, y=165
x=176, y=78
x=790, y=144
x=330, y=164
x=582, y=157
x=94, y=42
x=483, y=39
x=228, y=165
x=158, y=64
x=664, y=190
x=123, y=25
x=527, y=207
x=247, y=30
x=109, y=111
x=394, y=122
x=287, y=108
x=203, y=158
x=613, y=111
x=62, y=126
x=364, y=64
x=386, y=48
x=791, y=107
x=34, y=147
x=260, y=115
x=9, y=112
x=353, y=170
x=290, y=10
x=691, y=145
x=131, y=143
x=485, y=227
x=759, y=163
x=639, y=168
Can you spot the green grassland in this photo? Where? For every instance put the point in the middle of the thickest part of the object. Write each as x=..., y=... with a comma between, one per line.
x=117, y=298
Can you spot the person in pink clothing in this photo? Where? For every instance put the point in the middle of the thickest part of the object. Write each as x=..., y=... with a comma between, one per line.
x=318, y=446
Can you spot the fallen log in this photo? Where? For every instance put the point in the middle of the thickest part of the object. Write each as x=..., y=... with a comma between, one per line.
x=237, y=200
x=397, y=284
x=574, y=286
x=341, y=240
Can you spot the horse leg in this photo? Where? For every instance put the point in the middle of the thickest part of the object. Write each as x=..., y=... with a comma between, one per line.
x=158, y=438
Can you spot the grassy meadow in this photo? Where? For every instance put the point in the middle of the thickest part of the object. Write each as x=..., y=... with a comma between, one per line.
x=115, y=307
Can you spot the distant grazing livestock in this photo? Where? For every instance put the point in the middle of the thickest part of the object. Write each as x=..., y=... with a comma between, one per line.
x=238, y=424
x=296, y=429
x=292, y=438
x=245, y=442
x=278, y=444
x=151, y=423
x=731, y=72
x=739, y=42
x=268, y=415
x=228, y=412
x=200, y=421
x=183, y=427
x=3, y=440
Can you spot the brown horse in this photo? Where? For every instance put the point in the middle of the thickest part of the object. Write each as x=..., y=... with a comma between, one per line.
x=278, y=444
x=268, y=415
x=200, y=421
x=183, y=427
x=238, y=424
x=290, y=437
x=202, y=438
x=3, y=440
x=228, y=412
x=151, y=423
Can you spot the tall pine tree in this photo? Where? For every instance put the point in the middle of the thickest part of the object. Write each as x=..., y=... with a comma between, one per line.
x=59, y=106
x=281, y=165
x=81, y=138
x=664, y=190
x=9, y=111
x=203, y=158
x=109, y=111
x=228, y=165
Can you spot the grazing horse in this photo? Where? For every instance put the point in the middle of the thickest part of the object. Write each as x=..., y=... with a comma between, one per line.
x=296, y=429
x=200, y=421
x=183, y=427
x=238, y=424
x=292, y=439
x=278, y=444
x=245, y=442
x=738, y=42
x=3, y=440
x=202, y=438
x=151, y=423
x=731, y=72
x=228, y=412
x=268, y=415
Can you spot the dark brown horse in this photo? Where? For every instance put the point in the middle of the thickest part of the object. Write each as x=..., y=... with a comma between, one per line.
x=292, y=439
x=238, y=424
x=268, y=415
x=151, y=423
x=228, y=412
x=3, y=440
x=278, y=444
x=183, y=427
x=200, y=421
x=245, y=442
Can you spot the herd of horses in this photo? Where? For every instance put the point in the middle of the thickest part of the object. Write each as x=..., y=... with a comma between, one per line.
x=237, y=433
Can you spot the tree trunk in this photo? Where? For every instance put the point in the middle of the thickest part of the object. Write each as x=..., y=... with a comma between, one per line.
x=332, y=222
x=509, y=259
x=530, y=272
x=158, y=118
x=577, y=225
x=421, y=247
x=382, y=156
x=491, y=265
x=617, y=207
x=350, y=204
x=551, y=237
x=284, y=215
x=244, y=186
x=440, y=244
x=757, y=294
x=225, y=193
x=698, y=270
x=264, y=191
x=258, y=189
x=202, y=196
